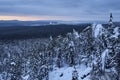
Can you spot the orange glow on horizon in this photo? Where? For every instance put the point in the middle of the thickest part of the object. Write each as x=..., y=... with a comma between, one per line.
x=32, y=18
x=23, y=18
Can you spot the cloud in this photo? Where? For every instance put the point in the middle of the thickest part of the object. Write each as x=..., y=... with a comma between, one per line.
x=70, y=8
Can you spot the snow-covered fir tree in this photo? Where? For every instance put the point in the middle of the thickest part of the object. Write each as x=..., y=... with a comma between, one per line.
x=75, y=74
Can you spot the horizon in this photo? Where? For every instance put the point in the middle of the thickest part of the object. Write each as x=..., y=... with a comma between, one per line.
x=46, y=18
x=55, y=18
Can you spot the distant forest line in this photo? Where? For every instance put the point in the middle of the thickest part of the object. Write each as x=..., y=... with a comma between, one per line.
x=28, y=32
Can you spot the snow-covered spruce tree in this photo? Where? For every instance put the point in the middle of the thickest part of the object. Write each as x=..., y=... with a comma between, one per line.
x=105, y=65
x=111, y=25
x=49, y=50
x=14, y=63
x=86, y=46
x=39, y=61
x=65, y=50
x=59, y=51
x=4, y=60
x=72, y=49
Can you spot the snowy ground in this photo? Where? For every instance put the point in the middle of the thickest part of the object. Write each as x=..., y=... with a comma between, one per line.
x=65, y=73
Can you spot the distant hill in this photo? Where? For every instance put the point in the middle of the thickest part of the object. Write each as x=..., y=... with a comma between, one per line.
x=4, y=23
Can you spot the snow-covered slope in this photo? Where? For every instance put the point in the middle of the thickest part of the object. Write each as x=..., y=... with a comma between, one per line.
x=65, y=73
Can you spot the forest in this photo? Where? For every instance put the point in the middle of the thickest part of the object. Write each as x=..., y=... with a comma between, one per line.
x=96, y=47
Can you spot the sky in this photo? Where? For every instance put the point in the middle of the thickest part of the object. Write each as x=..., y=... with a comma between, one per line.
x=82, y=10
